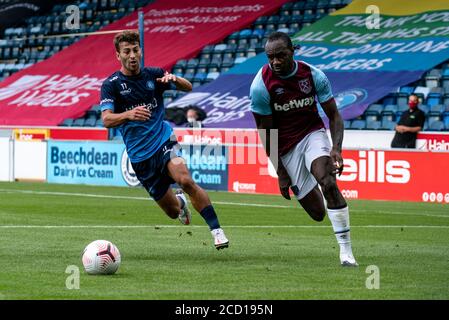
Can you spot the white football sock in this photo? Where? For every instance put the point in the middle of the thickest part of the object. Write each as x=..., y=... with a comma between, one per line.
x=340, y=223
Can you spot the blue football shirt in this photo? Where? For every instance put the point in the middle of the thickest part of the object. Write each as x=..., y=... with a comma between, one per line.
x=121, y=93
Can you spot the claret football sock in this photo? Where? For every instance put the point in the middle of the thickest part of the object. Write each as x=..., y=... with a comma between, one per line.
x=209, y=215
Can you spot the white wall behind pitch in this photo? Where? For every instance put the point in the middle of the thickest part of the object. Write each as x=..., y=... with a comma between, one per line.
x=30, y=160
x=5, y=159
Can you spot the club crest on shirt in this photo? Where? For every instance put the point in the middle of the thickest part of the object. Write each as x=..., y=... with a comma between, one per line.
x=305, y=86
x=150, y=85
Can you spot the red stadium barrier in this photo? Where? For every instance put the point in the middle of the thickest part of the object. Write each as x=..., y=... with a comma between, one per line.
x=400, y=175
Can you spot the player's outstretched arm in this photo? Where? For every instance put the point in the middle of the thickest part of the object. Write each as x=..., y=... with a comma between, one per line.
x=337, y=129
x=111, y=119
x=180, y=82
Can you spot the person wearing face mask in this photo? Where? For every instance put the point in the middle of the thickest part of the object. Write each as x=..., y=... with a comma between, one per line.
x=195, y=116
x=410, y=123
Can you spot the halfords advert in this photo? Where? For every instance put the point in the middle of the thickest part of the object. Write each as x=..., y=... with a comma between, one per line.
x=96, y=163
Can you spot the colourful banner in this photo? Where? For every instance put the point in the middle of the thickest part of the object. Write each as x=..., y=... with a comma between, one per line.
x=68, y=84
x=367, y=49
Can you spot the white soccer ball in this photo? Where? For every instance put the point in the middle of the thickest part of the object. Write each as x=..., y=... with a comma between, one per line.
x=101, y=257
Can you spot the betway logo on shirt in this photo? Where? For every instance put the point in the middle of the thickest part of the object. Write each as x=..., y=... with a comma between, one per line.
x=294, y=104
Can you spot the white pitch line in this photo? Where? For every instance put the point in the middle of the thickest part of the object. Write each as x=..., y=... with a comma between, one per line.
x=261, y=205
x=186, y=227
x=89, y=195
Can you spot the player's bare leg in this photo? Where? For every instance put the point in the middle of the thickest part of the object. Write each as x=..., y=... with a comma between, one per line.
x=313, y=203
x=175, y=206
x=200, y=200
x=179, y=172
x=338, y=212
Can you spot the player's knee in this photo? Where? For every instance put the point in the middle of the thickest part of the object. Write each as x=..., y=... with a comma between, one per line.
x=327, y=183
x=186, y=182
x=318, y=215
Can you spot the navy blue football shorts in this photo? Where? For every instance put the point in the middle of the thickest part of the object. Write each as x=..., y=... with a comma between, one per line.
x=153, y=174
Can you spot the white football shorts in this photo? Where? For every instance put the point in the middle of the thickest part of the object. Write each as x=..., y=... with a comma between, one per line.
x=298, y=161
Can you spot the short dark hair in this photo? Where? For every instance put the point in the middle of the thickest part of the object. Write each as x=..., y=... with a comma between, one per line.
x=281, y=36
x=130, y=36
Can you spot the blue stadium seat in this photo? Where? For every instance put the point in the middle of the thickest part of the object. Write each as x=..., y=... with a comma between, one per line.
x=424, y=108
x=347, y=124
x=387, y=124
x=94, y=111
x=200, y=77
x=204, y=62
x=99, y=123
x=240, y=60
x=245, y=34
x=401, y=109
x=323, y=4
x=389, y=99
x=90, y=122
x=402, y=98
x=358, y=124
x=231, y=48
x=192, y=63
x=389, y=112
x=181, y=64
x=260, y=22
x=446, y=121
x=445, y=80
x=446, y=98
x=298, y=5
x=433, y=78
x=233, y=37
x=227, y=62
x=258, y=33
x=217, y=62
x=407, y=90
x=373, y=112
x=373, y=125
x=78, y=122
x=436, y=126
x=67, y=123
x=434, y=99
x=208, y=49
x=211, y=76
x=435, y=113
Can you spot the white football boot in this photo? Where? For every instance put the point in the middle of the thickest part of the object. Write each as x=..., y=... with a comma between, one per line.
x=348, y=260
x=220, y=239
x=184, y=216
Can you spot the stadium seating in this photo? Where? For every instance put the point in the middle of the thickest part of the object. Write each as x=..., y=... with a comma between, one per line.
x=436, y=126
x=358, y=124
x=214, y=59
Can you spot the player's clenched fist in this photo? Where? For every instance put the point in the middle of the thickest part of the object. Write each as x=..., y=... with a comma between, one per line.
x=139, y=114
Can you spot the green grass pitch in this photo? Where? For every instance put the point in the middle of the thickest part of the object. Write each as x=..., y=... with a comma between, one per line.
x=276, y=251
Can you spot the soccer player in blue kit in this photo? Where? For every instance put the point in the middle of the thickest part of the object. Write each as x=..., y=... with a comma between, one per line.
x=284, y=96
x=131, y=100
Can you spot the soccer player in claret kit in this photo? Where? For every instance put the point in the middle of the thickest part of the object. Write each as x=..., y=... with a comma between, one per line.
x=131, y=100
x=283, y=97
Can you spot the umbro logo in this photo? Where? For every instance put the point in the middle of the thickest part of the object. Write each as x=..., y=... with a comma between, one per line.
x=279, y=91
